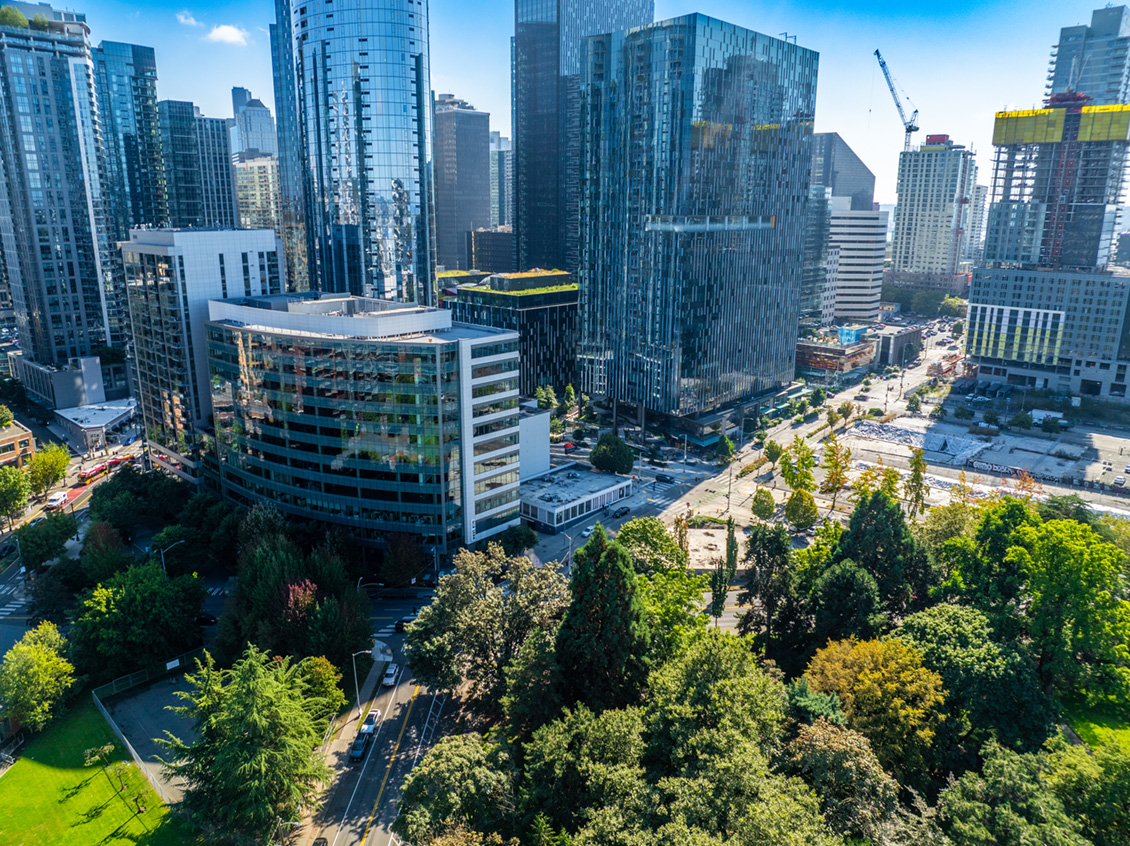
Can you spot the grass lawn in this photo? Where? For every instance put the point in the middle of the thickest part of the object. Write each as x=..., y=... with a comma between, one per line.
x=1099, y=723
x=49, y=798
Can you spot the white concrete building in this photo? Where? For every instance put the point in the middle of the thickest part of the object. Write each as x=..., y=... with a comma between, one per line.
x=171, y=274
x=862, y=240
x=935, y=193
x=570, y=495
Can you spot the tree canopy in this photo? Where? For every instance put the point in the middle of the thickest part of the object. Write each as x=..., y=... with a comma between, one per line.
x=612, y=455
x=34, y=677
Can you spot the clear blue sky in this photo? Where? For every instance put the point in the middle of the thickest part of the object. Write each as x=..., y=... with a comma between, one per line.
x=959, y=61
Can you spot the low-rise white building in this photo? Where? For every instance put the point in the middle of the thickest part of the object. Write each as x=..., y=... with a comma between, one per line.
x=570, y=495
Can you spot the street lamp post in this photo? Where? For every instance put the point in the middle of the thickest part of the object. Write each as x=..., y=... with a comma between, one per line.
x=569, y=557
x=163, y=551
x=356, y=684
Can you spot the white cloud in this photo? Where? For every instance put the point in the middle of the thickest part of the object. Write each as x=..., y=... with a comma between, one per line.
x=228, y=34
x=185, y=18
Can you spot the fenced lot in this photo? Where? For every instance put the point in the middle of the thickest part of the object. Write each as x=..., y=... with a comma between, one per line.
x=49, y=798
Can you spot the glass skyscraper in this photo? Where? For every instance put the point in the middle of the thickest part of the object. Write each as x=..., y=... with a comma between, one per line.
x=292, y=198
x=546, y=56
x=696, y=145
x=462, y=178
x=198, y=169
x=54, y=250
x=354, y=110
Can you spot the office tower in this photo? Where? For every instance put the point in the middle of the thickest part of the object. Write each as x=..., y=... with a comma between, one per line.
x=814, y=275
x=257, y=191
x=134, y=171
x=380, y=417
x=54, y=252
x=361, y=139
x=861, y=237
x=292, y=194
x=935, y=191
x=542, y=307
x=171, y=274
x=199, y=176
x=501, y=181
x=252, y=127
x=692, y=232
x=836, y=166
x=978, y=210
x=1094, y=59
x=841, y=192
x=462, y=178
x=492, y=250
x=131, y=131
x=546, y=64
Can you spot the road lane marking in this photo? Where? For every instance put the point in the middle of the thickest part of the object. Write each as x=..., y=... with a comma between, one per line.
x=391, y=761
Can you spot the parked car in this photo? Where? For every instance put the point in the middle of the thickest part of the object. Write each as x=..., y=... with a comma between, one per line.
x=620, y=512
x=7, y=549
x=587, y=533
x=357, y=750
x=203, y=619
x=371, y=720
x=390, y=675
x=1119, y=481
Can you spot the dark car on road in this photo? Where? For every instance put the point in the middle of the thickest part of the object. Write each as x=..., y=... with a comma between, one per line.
x=402, y=623
x=204, y=619
x=357, y=750
x=620, y=512
x=664, y=478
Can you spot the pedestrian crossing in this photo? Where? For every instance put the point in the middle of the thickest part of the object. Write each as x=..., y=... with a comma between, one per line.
x=10, y=590
x=387, y=630
x=217, y=591
x=12, y=608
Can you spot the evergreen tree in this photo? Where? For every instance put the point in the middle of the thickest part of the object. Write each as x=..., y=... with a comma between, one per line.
x=914, y=488
x=253, y=759
x=797, y=466
x=879, y=541
x=603, y=641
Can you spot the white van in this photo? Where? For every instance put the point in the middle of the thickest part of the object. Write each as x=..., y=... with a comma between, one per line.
x=56, y=501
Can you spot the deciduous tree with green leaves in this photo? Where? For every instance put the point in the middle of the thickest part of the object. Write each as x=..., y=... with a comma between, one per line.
x=253, y=759
x=45, y=541
x=1008, y=803
x=800, y=510
x=770, y=583
x=773, y=453
x=6, y=417
x=474, y=627
x=797, y=465
x=14, y=491
x=34, y=677
x=763, y=505
x=836, y=463
x=846, y=603
x=651, y=546
x=47, y=468
x=1076, y=609
x=725, y=451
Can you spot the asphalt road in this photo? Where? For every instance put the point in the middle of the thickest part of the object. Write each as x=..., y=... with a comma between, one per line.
x=361, y=802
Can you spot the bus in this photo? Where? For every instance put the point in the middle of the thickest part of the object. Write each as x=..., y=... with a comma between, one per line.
x=95, y=472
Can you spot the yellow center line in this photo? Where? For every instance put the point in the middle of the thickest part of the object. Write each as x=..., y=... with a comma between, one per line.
x=391, y=761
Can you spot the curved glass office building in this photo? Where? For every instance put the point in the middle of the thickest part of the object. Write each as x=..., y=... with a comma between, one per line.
x=381, y=417
x=363, y=114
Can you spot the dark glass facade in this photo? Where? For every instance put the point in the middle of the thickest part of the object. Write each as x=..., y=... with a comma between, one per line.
x=54, y=249
x=362, y=130
x=378, y=434
x=835, y=165
x=199, y=175
x=462, y=178
x=542, y=308
x=696, y=145
x=292, y=197
x=546, y=57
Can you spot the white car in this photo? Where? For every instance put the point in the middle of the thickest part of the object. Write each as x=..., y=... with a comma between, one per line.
x=390, y=675
x=587, y=533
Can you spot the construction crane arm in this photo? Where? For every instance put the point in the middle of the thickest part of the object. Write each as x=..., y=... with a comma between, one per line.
x=891, y=85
